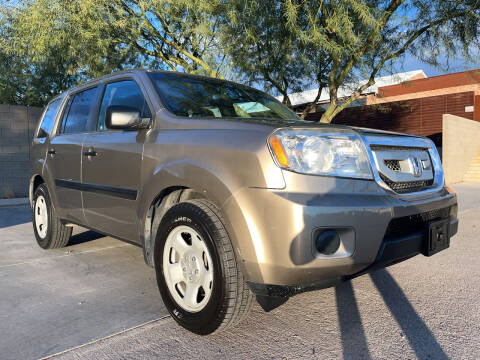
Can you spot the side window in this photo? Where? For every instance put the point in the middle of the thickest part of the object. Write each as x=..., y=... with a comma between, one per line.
x=77, y=111
x=125, y=93
x=48, y=119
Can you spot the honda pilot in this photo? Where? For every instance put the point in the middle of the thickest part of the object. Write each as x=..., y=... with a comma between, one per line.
x=232, y=196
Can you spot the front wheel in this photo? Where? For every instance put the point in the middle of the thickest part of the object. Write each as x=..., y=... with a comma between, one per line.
x=49, y=230
x=197, y=273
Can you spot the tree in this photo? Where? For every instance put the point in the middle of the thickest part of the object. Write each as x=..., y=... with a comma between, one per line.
x=280, y=45
x=36, y=63
x=89, y=38
x=268, y=53
x=362, y=36
x=24, y=82
x=263, y=50
x=180, y=33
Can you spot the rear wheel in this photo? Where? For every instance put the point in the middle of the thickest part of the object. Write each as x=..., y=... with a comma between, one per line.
x=197, y=273
x=49, y=230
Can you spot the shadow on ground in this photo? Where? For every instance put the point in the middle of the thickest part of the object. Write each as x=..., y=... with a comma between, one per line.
x=14, y=215
x=327, y=324
x=17, y=215
x=421, y=339
x=83, y=237
x=354, y=342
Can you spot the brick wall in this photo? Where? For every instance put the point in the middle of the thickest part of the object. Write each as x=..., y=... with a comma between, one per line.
x=17, y=124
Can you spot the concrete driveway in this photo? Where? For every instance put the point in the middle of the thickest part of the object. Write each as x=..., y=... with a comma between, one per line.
x=97, y=299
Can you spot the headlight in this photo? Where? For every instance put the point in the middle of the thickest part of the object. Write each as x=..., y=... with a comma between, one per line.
x=321, y=152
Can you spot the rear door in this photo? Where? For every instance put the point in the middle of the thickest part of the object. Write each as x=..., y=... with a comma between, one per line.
x=112, y=164
x=65, y=154
x=41, y=141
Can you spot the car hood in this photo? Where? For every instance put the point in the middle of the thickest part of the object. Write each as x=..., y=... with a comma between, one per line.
x=283, y=123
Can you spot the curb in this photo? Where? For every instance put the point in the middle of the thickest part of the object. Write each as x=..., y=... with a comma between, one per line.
x=14, y=202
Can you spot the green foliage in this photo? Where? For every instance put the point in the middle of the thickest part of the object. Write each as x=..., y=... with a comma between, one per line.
x=280, y=45
x=81, y=39
x=24, y=83
x=362, y=37
x=291, y=44
x=264, y=51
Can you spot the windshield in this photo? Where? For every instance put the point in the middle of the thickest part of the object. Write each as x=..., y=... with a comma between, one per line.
x=205, y=98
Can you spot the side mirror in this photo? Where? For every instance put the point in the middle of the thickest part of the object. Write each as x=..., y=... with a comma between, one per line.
x=125, y=117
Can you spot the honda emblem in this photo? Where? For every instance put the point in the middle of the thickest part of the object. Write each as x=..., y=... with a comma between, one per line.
x=416, y=166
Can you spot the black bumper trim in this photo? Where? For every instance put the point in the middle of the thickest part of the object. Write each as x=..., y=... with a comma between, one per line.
x=272, y=296
x=393, y=251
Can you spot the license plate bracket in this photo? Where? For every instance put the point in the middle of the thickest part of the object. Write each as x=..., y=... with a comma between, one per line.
x=438, y=238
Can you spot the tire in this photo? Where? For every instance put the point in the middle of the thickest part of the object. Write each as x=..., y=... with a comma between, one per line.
x=229, y=300
x=49, y=230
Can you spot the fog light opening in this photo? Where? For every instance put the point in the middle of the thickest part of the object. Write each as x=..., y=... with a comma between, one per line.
x=327, y=242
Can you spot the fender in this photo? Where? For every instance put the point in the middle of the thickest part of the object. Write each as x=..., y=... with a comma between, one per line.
x=180, y=174
x=185, y=173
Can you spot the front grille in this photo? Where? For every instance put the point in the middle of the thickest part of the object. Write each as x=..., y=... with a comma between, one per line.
x=393, y=165
x=395, y=148
x=404, y=169
x=407, y=186
x=407, y=225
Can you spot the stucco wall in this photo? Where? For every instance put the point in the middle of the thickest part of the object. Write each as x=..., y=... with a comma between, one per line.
x=461, y=142
x=17, y=124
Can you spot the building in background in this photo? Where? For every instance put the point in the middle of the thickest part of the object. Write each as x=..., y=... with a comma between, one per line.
x=405, y=102
x=302, y=99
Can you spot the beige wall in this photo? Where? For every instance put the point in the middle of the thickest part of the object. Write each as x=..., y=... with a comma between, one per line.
x=461, y=142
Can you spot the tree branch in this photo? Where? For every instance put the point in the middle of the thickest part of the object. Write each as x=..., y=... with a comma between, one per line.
x=370, y=40
x=307, y=110
x=173, y=43
x=334, y=109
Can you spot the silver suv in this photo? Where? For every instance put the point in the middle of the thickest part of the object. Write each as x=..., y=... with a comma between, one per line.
x=229, y=194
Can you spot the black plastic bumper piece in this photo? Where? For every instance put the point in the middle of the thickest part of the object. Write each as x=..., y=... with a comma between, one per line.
x=272, y=296
x=398, y=249
x=392, y=251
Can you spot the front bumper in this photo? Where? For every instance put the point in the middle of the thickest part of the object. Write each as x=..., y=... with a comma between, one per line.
x=272, y=230
x=392, y=251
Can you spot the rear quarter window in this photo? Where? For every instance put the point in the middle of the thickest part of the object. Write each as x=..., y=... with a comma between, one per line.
x=48, y=119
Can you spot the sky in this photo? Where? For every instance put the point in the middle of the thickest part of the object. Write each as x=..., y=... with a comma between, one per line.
x=455, y=65
x=410, y=63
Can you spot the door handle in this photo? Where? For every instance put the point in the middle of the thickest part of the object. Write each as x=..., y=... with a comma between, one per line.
x=90, y=152
x=51, y=151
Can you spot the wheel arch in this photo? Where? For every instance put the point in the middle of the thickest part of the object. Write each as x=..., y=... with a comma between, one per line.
x=168, y=181
x=35, y=181
x=164, y=200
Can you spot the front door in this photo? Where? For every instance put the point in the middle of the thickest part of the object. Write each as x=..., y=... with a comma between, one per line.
x=112, y=163
x=64, y=156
